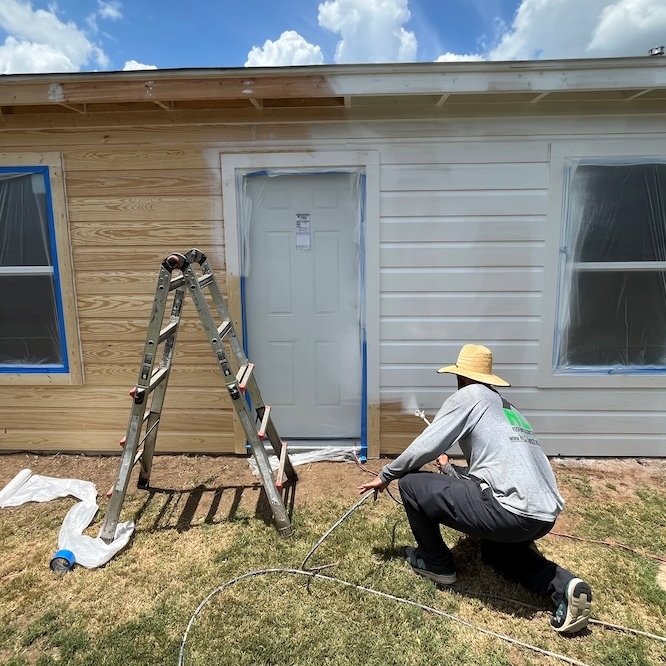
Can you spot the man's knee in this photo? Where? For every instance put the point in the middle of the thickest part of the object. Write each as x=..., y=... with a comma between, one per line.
x=408, y=483
x=408, y=488
x=419, y=486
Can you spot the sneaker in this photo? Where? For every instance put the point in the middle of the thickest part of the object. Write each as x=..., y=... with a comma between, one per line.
x=574, y=611
x=445, y=576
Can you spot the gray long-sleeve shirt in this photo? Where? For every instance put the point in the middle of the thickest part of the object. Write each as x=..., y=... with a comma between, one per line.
x=500, y=447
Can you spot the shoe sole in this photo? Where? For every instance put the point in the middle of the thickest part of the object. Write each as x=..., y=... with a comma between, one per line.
x=579, y=608
x=440, y=579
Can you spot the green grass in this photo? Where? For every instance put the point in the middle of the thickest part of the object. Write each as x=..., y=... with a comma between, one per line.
x=135, y=609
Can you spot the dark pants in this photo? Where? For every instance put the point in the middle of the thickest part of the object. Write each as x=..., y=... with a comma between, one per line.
x=507, y=540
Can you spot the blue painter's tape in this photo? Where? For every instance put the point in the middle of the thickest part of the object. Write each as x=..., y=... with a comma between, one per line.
x=63, y=561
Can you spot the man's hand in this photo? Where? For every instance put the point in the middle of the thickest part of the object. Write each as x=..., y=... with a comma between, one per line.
x=376, y=484
x=441, y=462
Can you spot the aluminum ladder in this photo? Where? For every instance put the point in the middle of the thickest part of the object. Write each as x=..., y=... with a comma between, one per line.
x=150, y=390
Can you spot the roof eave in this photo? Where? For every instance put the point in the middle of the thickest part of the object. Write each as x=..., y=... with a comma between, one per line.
x=398, y=79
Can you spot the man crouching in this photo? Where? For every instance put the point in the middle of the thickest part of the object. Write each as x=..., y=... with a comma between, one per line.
x=507, y=496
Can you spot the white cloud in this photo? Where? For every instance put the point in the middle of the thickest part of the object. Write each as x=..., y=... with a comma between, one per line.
x=630, y=27
x=109, y=10
x=38, y=41
x=27, y=57
x=455, y=57
x=371, y=30
x=582, y=29
x=132, y=65
x=289, y=49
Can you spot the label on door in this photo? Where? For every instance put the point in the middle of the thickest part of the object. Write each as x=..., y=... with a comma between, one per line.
x=302, y=231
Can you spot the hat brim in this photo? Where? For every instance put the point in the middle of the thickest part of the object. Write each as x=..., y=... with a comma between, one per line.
x=493, y=380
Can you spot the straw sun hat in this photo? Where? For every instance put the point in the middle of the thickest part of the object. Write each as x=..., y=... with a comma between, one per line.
x=475, y=362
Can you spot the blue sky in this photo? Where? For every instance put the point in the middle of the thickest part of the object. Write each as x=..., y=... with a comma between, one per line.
x=96, y=35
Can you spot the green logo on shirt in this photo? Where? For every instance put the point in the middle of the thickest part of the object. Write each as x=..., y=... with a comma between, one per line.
x=516, y=419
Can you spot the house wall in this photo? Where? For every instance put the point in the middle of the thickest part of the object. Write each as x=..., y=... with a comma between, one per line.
x=463, y=206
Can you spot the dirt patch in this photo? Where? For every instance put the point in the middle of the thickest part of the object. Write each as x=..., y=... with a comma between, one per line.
x=210, y=489
x=617, y=478
x=183, y=473
x=620, y=476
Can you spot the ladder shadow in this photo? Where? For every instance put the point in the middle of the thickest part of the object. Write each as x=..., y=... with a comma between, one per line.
x=189, y=508
x=182, y=510
x=264, y=511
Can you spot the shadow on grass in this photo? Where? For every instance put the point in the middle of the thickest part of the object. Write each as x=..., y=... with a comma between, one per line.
x=480, y=581
x=190, y=508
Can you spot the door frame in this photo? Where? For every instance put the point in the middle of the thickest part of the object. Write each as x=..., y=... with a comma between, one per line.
x=234, y=167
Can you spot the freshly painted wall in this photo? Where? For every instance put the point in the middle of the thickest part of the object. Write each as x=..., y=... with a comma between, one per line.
x=462, y=221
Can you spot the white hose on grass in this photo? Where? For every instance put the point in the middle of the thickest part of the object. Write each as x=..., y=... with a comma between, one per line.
x=339, y=581
x=312, y=573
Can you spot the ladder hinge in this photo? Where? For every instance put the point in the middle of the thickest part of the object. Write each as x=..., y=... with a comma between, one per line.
x=224, y=363
x=146, y=366
x=139, y=395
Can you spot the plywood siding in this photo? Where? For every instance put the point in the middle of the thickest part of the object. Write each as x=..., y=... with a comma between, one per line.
x=462, y=233
x=128, y=209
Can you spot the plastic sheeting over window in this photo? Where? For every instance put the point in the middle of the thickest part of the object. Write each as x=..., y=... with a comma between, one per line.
x=30, y=320
x=612, y=299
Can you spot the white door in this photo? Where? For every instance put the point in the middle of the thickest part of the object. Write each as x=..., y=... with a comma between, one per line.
x=301, y=301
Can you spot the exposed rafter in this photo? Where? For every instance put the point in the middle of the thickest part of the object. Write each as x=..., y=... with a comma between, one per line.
x=539, y=97
x=437, y=88
x=79, y=108
x=640, y=93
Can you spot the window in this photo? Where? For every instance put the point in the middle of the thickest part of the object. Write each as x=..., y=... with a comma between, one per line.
x=610, y=305
x=612, y=309
x=35, y=338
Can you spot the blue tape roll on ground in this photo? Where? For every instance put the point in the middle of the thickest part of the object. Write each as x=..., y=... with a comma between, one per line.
x=63, y=561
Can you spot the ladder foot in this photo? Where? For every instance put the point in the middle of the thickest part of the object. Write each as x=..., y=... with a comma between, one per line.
x=143, y=484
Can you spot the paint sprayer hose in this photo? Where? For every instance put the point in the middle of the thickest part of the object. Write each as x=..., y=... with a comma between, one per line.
x=313, y=574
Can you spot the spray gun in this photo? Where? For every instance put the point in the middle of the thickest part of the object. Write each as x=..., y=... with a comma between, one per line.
x=421, y=414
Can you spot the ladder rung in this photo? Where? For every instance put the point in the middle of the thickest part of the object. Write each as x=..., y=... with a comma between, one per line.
x=224, y=328
x=264, y=422
x=205, y=280
x=157, y=378
x=279, y=479
x=243, y=376
x=168, y=331
x=176, y=282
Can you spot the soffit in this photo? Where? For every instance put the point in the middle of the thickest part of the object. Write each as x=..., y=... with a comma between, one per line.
x=339, y=92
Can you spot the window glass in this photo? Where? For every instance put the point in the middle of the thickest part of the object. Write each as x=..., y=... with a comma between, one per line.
x=612, y=310
x=31, y=327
